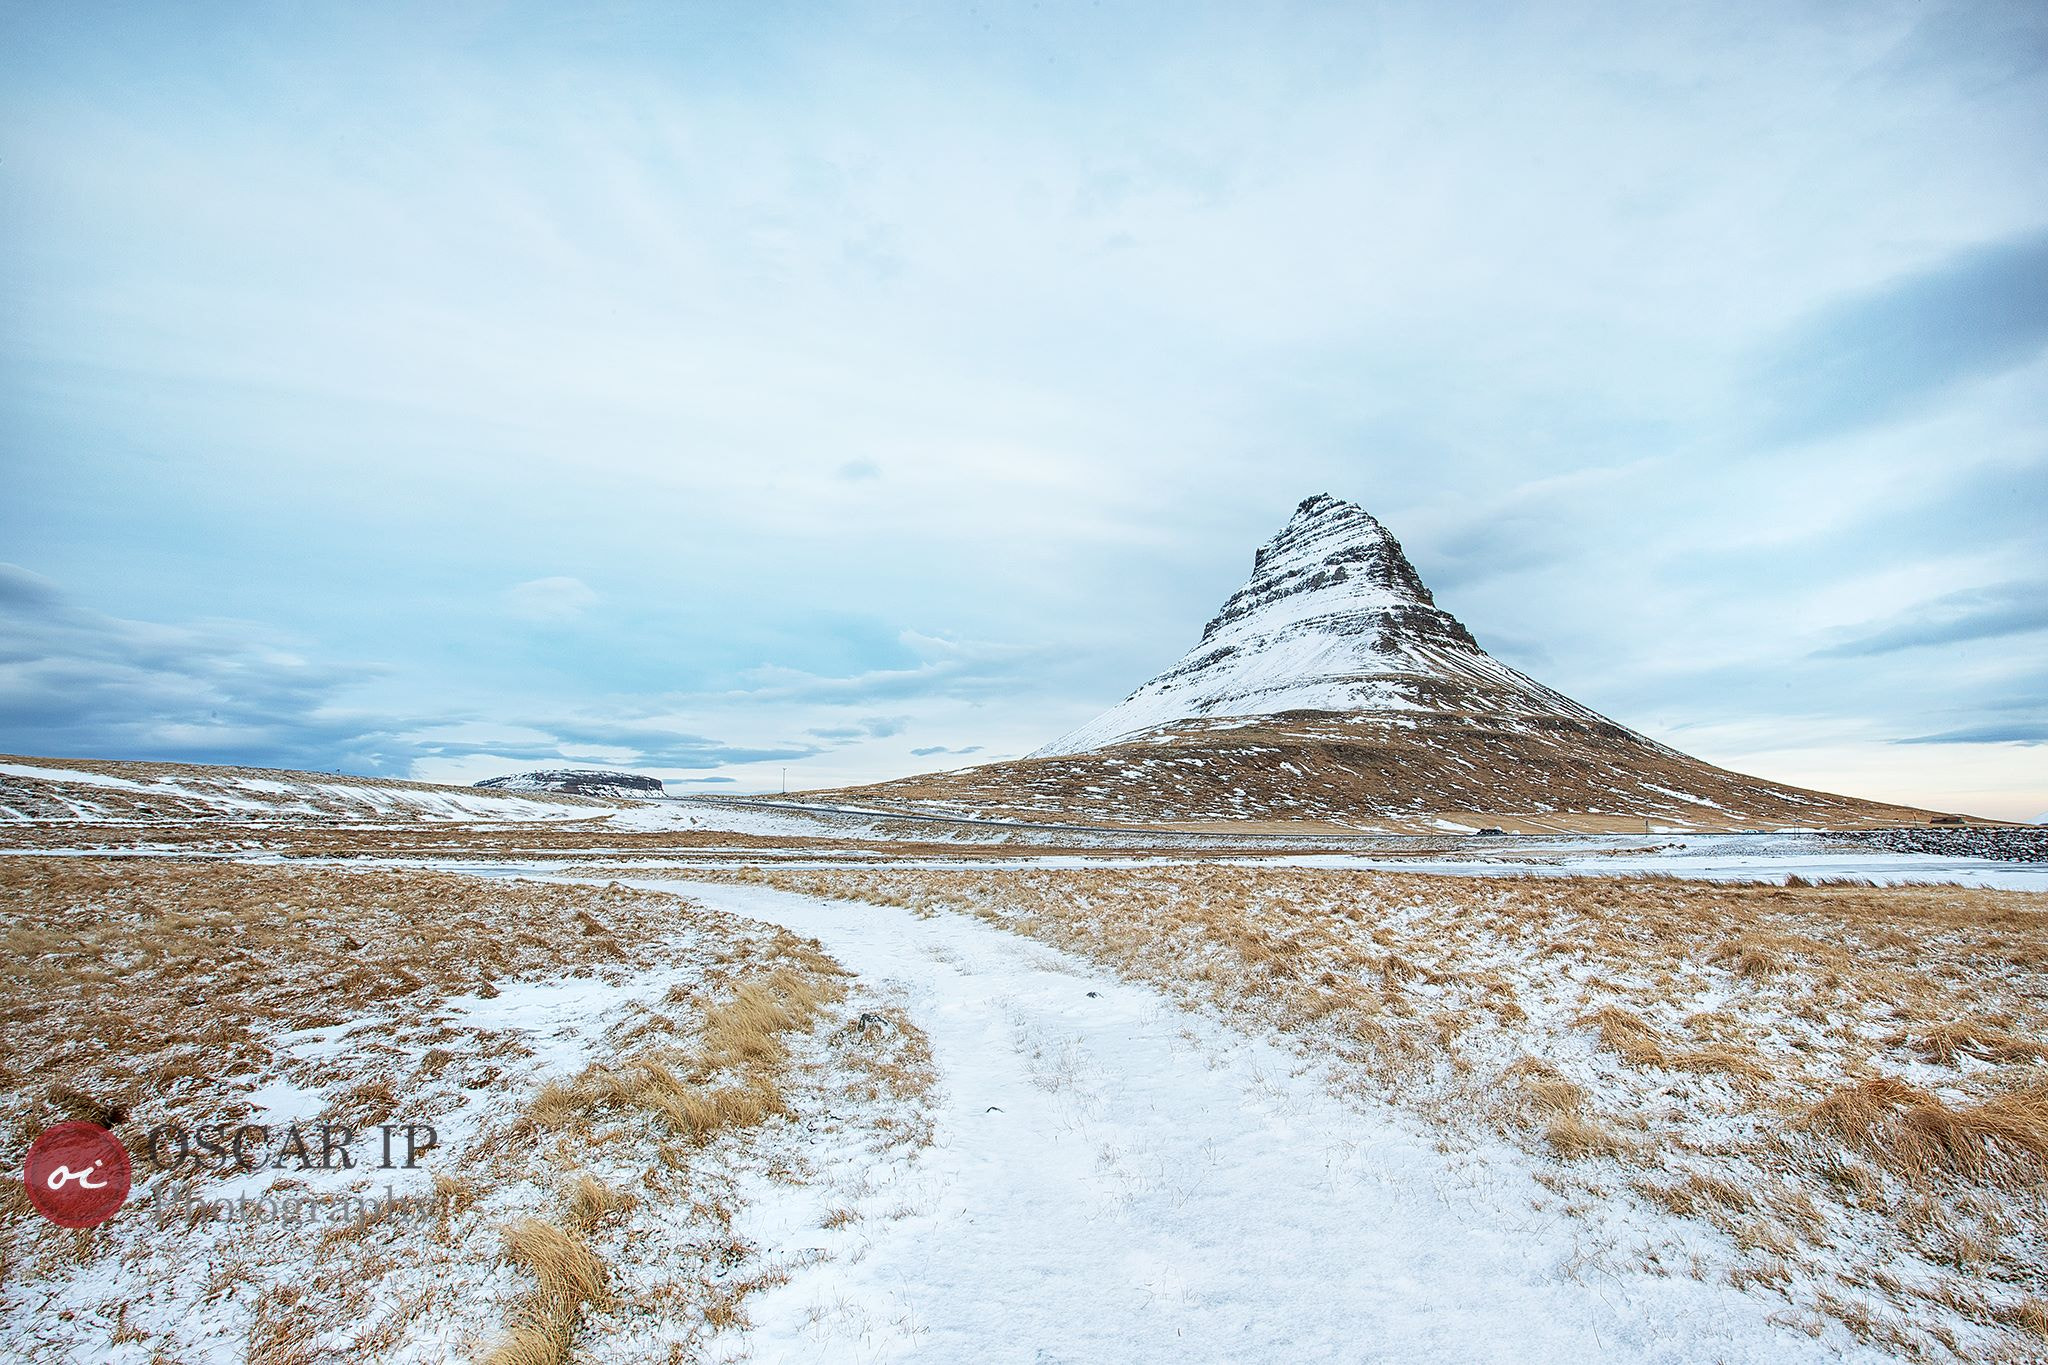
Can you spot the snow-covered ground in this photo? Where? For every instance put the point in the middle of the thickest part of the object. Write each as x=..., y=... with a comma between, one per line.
x=153, y=1285
x=1115, y=1176
x=738, y=817
x=1117, y=1179
x=309, y=1260
x=1750, y=864
x=1885, y=869
x=54, y=793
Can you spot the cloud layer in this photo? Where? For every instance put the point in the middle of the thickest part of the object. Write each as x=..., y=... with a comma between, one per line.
x=75, y=681
x=681, y=386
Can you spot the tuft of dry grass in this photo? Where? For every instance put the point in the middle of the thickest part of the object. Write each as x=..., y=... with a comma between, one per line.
x=538, y=1340
x=592, y=1203
x=746, y=1030
x=1987, y=1040
x=1640, y=1045
x=564, y=1269
x=1915, y=1135
x=1575, y=1137
x=1535, y=1095
x=2029, y=1314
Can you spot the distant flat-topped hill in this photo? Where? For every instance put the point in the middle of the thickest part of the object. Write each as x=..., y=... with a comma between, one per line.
x=580, y=782
x=92, y=790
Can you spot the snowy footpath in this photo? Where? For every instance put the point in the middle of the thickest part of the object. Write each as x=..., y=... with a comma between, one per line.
x=1116, y=1179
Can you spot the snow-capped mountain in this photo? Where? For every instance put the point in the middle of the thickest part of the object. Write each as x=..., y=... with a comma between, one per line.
x=1333, y=619
x=1331, y=689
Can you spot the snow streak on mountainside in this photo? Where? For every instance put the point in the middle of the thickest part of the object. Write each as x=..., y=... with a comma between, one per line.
x=1332, y=690
x=1334, y=618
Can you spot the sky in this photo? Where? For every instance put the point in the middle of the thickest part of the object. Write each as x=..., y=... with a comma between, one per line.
x=861, y=389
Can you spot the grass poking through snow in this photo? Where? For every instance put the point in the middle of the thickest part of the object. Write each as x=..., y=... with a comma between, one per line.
x=1846, y=1082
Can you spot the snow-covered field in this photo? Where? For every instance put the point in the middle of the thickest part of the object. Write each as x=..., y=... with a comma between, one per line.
x=1754, y=1056
x=539, y=1031
x=1703, y=862
x=719, y=1080
x=1116, y=1178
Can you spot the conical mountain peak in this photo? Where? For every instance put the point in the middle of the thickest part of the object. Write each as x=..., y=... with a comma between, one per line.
x=1332, y=689
x=1335, y=558
x=1334, y=618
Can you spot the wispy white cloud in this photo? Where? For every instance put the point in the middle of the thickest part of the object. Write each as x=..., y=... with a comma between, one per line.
x=1992, y=612
x=550, y=599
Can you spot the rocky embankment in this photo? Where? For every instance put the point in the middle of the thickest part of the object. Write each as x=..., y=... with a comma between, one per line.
x=2007, y=843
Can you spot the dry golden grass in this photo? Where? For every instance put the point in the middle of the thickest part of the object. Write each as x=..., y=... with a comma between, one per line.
x=541, y=1340
x=1914, y=1134
x=1636, y=1043
x=592, y=1203
x=2029, y=1315
x=721, y=1065
x=729, y=1079
x=567, y=1277
x=147, y=991
x=1535, y=1096
x=1986, y=1040
x=564, y=1269
x=130, y=986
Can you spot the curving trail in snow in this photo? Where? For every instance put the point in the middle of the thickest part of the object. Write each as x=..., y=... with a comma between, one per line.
x=1116, y=1179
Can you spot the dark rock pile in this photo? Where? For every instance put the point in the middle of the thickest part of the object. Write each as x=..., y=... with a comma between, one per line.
x=2007, y=843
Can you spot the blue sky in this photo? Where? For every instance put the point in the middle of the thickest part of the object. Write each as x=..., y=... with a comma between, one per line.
x=859, y=389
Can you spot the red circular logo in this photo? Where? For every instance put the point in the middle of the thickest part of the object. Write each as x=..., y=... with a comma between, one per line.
x=77, y=1174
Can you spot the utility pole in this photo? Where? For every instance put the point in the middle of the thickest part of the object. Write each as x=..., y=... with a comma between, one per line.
x=785, y=781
